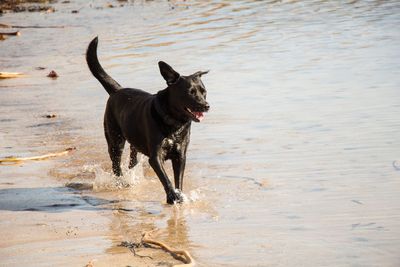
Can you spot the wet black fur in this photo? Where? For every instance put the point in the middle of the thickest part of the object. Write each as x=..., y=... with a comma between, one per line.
x=156, y=125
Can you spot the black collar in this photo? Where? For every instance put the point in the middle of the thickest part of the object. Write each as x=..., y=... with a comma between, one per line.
x=168, y=124
x=162, y=114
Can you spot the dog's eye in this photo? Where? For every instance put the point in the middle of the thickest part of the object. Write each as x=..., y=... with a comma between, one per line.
x=192, y=91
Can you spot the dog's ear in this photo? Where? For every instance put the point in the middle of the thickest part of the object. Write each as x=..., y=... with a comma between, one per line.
x=200, y=73
x=169, y=74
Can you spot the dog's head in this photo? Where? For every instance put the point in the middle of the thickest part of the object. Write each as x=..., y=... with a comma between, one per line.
x=187, y=94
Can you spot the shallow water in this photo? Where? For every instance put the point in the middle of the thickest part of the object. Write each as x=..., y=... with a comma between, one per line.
x=294, y=165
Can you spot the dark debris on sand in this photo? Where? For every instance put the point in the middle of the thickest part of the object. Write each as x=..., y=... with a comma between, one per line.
x=26, y=6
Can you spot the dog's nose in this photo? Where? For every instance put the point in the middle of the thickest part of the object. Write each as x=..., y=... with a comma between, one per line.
x=207, y=106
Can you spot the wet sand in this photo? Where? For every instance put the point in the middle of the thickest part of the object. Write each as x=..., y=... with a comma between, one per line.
x=294, y=165
x=45, y=223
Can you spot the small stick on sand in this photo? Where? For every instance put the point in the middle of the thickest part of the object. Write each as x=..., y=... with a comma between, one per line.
x=28, y=26
x=15, y=160
x=182, y=255
x=6, y=75
x=17, y=33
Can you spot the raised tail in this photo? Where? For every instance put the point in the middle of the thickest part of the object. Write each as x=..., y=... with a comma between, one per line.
x=108, y=83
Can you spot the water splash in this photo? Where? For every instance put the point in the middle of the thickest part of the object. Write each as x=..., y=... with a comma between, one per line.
x=106, y=180
x=192, y=196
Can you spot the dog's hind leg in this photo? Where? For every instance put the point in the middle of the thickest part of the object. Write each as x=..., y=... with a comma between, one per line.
x=133, y=157
x=116, y=143
x=115, y=148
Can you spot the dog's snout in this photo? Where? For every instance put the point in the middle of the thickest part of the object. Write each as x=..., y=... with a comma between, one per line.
x=206, y=106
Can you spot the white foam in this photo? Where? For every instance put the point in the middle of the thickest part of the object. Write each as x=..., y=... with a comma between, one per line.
x=106, y=180
x=191, y=196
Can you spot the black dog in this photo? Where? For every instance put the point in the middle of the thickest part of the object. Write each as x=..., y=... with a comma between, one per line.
x=155, y=125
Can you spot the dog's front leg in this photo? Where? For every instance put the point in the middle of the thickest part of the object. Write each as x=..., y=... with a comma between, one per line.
x=178, y=164
x=179, y=161
x=156, y=163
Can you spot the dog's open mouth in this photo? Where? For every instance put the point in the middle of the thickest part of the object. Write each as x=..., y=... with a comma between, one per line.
x=196, y=116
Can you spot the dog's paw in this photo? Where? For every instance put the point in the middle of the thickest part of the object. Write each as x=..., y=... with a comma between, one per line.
x=174, y=197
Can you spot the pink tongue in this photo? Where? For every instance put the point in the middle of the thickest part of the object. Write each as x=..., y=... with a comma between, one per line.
x=198, y=115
